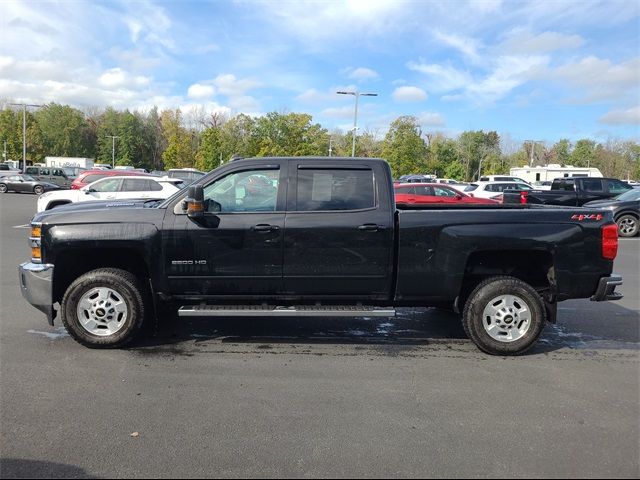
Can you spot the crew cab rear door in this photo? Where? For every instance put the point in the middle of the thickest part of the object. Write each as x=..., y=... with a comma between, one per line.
x=338, y=231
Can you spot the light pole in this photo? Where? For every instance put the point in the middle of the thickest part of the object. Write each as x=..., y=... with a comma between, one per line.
x=355, y=118
x=330, y=145
x=24, y=131
x=113, y=149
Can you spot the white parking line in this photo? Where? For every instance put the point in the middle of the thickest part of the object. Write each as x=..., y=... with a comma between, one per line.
x=22, y=226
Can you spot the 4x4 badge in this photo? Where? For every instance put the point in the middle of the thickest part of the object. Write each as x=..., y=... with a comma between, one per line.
x=582, y=216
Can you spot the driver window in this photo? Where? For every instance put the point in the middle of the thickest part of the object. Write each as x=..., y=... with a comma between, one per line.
x=246, y=191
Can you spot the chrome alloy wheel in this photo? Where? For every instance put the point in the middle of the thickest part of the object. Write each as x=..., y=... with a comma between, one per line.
x=627, y=225
x=102, y=311
x=506, y=318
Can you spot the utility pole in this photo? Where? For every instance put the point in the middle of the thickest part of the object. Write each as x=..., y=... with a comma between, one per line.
x=113, y=149
x=330, y=144
x=355, y=118
x=24, y=131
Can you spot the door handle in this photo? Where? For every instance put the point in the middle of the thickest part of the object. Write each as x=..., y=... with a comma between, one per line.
x=370, y=227
x=265, y=228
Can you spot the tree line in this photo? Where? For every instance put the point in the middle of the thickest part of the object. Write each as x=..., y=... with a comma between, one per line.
x=159, y=140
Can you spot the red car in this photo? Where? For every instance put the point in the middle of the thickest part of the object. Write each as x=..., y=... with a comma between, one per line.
x=432, y=193
x=90, y=176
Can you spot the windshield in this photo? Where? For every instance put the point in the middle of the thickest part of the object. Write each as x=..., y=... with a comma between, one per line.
x=629, y=195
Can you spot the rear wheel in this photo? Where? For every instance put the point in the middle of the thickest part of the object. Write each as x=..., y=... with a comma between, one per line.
x=103, y=308
x=504, y=316
x=38, y=189
x=628, y=226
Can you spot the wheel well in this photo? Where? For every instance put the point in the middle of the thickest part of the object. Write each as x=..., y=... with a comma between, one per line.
x=628, y=212
x=532, y=267
x=73, y=263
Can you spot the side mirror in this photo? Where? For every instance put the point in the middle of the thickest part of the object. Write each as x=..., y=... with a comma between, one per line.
x=195, y=201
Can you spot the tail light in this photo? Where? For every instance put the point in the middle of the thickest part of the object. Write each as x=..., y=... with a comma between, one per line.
x=610, y=241
x=523, y=197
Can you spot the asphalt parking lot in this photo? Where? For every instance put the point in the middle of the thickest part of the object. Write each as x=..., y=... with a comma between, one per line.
x=401, y=397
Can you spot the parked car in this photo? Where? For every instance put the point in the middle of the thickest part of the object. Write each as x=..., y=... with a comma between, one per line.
x=73, y=172
x=542, y=185
x=330, y=242
x=626, y=211
x=112, y=188
x=502, y=178
x=25, y=183
x=186, y=174
x=494, y=189
x=54, y=175
x=572, y=191
x=90, y=176
x=432, y=193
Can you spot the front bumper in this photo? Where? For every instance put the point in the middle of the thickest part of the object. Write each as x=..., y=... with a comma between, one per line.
x=36, y=285
x=606, y=289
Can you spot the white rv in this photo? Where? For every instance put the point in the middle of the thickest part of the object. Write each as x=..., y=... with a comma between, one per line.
x=552, y=171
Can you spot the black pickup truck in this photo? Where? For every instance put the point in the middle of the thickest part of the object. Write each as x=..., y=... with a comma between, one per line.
x=572, y=192
x=314, y=237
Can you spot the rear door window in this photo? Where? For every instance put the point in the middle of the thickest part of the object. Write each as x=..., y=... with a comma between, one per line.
x=592, y=185
x=404, y=190
x=135, y=185
x=330, y=189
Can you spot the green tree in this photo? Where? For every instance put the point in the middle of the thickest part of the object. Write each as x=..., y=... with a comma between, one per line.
x=404, y=148
x=584, y=153
x=179, y=153
x=290, y=134
x=11, y=133
x=209, y=154
x=63, y=132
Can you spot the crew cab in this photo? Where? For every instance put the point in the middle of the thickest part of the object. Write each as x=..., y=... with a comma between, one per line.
x=573, y=191
x=307, y=236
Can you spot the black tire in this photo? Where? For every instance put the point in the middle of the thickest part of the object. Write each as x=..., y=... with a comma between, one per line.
x=3, y=188
x=38, y=189
x=482, y=297
x=628, y=225
x=126, y=286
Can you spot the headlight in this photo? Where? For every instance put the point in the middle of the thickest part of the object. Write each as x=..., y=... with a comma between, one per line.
x=35, y=241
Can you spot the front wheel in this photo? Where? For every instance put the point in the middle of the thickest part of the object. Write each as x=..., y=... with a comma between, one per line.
x=628, y=226
x=3, y=188
x=38, y=189
x=504, y=316
x=103, y=308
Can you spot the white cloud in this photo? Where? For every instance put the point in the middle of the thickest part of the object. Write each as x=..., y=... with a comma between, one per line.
x=338, y=112
x=199, y=91
x=622, y=117
x=409, y=94
x=362, y=73
x=228, y=84
x=467, y=46
x=442, y=78
x=508, y=73
x=431, y=119
x=600, y=79
x=525, y=42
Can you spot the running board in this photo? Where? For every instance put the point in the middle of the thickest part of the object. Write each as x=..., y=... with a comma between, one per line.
x=273, y=311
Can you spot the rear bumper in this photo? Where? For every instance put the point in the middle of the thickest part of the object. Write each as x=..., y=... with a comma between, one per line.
x=36, y=285
x=606, y=289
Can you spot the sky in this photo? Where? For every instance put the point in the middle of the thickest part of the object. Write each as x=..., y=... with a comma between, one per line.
x=540, y=70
